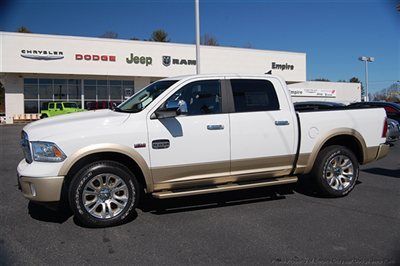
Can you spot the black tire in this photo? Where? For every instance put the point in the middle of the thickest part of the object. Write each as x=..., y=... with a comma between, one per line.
x=322, y=171
x=43, y=116
x=79, y=184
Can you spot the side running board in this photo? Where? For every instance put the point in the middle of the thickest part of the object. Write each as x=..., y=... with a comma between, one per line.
x=225, y=187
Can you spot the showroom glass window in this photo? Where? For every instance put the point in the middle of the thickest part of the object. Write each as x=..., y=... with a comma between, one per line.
x=98, y=94
x=39, y=92
x=60, y=89
x=104, y=94
x=74, y=90
x=251, y=95
x=200, y=97
x=31, y=96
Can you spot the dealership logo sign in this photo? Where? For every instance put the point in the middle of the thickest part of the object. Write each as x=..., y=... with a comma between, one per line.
x=142, y=60
x=95, y=57
x=166, y=60
x=282, y=67
x=42, y=54
x=308, y=92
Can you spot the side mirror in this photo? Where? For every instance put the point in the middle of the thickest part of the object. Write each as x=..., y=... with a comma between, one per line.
x=171, y=109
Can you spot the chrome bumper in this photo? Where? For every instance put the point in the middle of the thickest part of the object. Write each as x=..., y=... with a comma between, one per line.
x=45, y=189
x=382, y=151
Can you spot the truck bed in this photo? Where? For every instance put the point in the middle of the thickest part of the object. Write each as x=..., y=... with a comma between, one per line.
x=319, y=125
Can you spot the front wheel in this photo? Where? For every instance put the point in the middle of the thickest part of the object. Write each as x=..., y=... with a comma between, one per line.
x=43, y=116
x=103, y=194
x=335, y=171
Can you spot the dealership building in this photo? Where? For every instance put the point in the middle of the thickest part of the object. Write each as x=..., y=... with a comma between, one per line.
x=96, y=72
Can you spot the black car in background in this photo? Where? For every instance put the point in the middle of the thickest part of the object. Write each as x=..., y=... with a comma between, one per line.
x=392, y=109
x=317, y=105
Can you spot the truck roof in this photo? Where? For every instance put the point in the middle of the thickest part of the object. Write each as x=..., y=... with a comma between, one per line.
x=232, y=75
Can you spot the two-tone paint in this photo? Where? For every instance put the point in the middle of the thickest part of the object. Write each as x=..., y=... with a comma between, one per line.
x=248, y=146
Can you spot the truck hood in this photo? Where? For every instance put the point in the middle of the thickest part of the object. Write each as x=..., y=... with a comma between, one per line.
x=74, y=123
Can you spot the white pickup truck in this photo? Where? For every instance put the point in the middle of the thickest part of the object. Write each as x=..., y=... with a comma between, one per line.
x=193, y=135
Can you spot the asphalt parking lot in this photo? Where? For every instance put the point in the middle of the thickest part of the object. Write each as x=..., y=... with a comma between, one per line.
x=263, y=226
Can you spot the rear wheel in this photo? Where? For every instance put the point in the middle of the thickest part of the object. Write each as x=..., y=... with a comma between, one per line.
x=103, y=194
x=335, y=171
x=43, y=116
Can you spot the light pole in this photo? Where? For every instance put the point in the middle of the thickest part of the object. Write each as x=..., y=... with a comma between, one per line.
x=366, y=59
x=197, y=22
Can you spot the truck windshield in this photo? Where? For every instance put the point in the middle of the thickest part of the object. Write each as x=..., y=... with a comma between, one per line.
x=70, y=105
x=143, y=98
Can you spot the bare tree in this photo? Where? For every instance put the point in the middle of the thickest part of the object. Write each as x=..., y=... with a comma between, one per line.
x=321, y=79
x=248, y=45
x=159, y=36
x=23, y=29
x=208, y=39
x=109, y=35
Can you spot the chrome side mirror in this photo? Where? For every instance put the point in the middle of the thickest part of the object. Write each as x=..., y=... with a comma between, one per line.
x=172, y=109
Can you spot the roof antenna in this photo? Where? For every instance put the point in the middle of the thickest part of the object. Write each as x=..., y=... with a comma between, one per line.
x=269, y=72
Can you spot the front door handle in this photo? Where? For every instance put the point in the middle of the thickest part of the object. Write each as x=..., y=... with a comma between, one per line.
x=215, y=127
x=281, y=123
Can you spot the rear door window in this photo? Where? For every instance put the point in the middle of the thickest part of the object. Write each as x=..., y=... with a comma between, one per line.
x=252, y=95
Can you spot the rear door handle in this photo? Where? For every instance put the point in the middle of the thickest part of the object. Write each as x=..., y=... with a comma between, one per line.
x=281, y=123
x=215, y=127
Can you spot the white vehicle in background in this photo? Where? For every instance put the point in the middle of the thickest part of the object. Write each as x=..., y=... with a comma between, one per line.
x=194, y=135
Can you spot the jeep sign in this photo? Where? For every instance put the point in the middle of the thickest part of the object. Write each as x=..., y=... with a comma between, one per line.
x=139, y=60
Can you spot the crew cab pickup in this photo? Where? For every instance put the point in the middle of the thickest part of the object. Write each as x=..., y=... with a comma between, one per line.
x=194, y=135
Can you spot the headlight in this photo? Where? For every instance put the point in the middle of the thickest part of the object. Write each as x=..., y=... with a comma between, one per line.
x=47, y=152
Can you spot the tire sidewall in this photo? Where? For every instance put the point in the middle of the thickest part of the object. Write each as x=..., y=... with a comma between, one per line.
x=320, y=174
x=85, y=175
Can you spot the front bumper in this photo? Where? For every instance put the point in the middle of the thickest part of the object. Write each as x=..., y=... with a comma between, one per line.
x=40, y=181
x=45, y=189
x=383, y=150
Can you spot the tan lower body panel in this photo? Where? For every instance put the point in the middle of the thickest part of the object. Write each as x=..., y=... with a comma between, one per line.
x=382, y=151
x=205, y=174
x=46, y=189
x=370, y=154
x=225, y=187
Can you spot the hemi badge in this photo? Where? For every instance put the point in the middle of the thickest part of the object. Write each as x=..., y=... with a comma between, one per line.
x=140, y=145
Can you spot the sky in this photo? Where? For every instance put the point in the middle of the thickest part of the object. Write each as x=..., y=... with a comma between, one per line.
x=333, y=34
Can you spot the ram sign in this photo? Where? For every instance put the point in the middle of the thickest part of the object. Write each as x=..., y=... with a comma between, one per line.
x=307, y=92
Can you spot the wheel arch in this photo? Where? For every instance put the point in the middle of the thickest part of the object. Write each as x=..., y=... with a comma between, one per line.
x=347, y=137
x=112, y=152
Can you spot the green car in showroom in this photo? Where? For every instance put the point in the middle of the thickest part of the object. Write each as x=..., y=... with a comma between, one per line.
x=59, y=108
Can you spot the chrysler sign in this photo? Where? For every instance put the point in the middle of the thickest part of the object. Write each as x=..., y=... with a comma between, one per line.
x=42, y=54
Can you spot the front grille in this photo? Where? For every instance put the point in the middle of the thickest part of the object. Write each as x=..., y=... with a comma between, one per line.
x=26, y=147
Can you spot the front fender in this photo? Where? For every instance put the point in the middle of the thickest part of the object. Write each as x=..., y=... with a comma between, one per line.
x=109, y=147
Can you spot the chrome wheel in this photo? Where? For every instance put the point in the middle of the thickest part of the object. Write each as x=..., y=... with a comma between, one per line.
x=339, y=172
x=105, y=196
